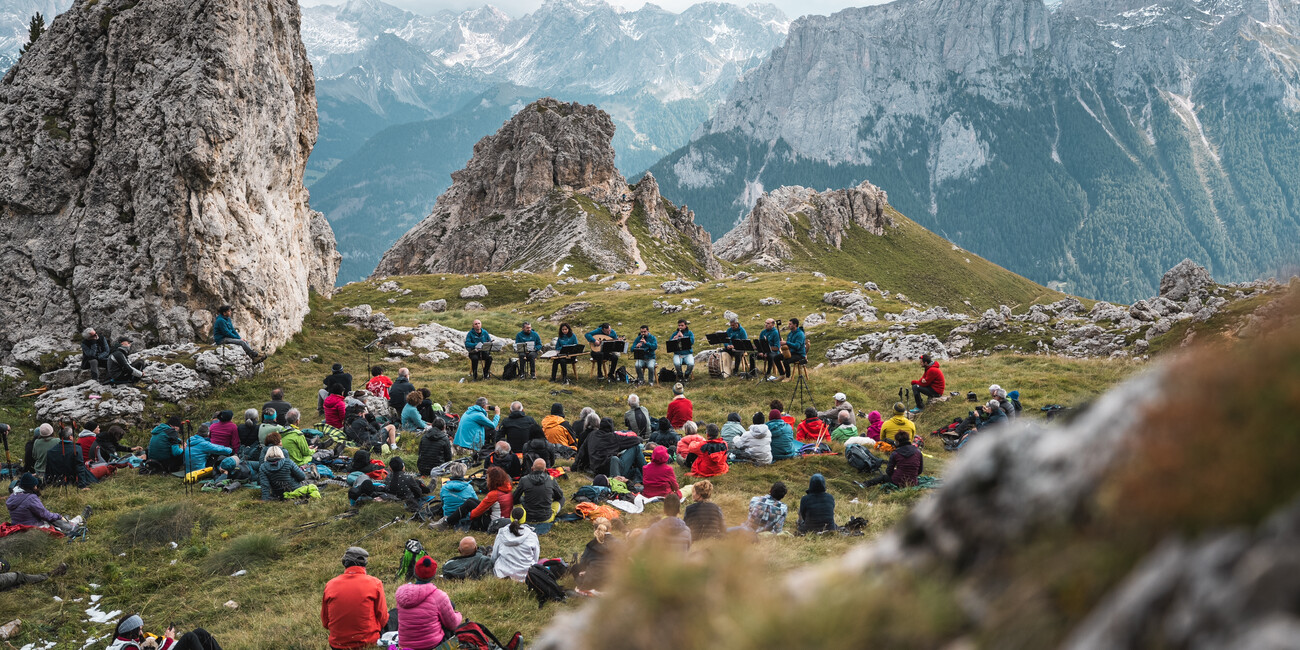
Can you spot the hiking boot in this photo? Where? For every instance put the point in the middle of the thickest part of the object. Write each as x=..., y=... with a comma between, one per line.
x=441, y=524
x=259, y=359
x=59, y=570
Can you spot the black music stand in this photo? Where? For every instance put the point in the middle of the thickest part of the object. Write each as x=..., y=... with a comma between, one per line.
x=747, y=346
x=717, y=338
x=677, y=345
x=612, y=347
x=764, y=348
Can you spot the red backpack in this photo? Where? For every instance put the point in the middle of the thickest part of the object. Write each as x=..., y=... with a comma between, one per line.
x=473, y=636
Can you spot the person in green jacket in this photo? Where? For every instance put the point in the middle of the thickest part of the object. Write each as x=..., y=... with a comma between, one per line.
x=41, y=446
x=292, y=439
x=846, y=428
x=783, y=446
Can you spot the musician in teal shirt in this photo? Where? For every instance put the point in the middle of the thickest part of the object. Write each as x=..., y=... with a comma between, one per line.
x=684, y=359
x=565, y=337
x=772, y=336
x=648, y=345
x=527, y=356
x=798, y=348
x=735, y=333
x=475, y=337
x=598, y=357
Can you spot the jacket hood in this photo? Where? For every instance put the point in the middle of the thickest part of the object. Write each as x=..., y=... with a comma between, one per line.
x=86, y=434
x=659, y=456
x=196, y=439
x=816, y=484
x=162, y=428
x=607, y=425
x=873, y=417
x=760, y=430
x=906, y=451
x=274, y=465
x=413, y=594
x=475, y=409
x=899, y=419
x=514, y=540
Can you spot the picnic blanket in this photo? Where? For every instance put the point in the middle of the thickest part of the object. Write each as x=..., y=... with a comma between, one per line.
x=7, y=529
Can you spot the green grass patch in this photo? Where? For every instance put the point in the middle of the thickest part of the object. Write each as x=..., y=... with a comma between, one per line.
x=246, y=552
x=158, y=524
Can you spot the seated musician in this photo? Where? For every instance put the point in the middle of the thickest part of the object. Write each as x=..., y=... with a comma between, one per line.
x=598, y=356
x=644, y=347
x=772, y=336
x=478, y=344
x=796, y=342
x=528, y=356
x=684, y=359
x=735, y=333
x=565, y=337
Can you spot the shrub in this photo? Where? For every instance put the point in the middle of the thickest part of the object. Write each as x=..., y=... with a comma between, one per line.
x=27, y=544
x=157, y=524
x=245, y=552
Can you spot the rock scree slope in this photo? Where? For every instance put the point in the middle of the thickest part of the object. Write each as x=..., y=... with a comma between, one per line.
x=151, y=165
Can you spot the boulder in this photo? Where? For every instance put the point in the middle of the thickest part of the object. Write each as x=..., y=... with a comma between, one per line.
x=31, y=351
x=474, y=291
x=538, y=295
x=769, y=301
x=887, y=346
x=388, y=287
x=666, y=307
x=991, y=321
x=362, y=317
x=678, y=286
x=1104, y=311
x=729, y=316
x=814, y=319
x=174, y=383
x=225, y=364
x=436, y=306
x=92, y=400
x=12, y=382
x=474, y=306
x=569, y=310
x=618, y=286
x=70, y=374
x=1184, y=280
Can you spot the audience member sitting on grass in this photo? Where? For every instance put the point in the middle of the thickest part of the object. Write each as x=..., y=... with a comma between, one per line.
x=411, y=420
x=129, y=635
x=472, y=563
x=455, y=491
x=269, y=424
x=335, y=405
x=610, y=452
x=755, y=444
x=40, y=448
x=899, y=423
x=680, y=409
x=224, y=431
x=690, y=441
x=816, y=508
x=199, y=450
x=659, y=478
x=278, y=475
x=277, y=403
x=637, y=419
x=732, y=429
x=435, y=448
x=293, y=440
x=365, y=431
x=670, y=532
x=165, y=445
x=353, y=607
x=65, y=465
x=664, y=435
x=26, y=509
x=704, y=517
x=812, y=428
x=379, y=383
x=766, y=512
x=517, y=428
x=845, y=429
x=905, y=465
x=424, y=612
x=540, y=496
x=873, y=432
x=10, y=579
x=842, y=405
x=783, y=447
x=516, y=549
x=248, y=430
x=475, y=425
x=505, y=459
x=557, y=430
x=711, y=455
x=599, y=557
x=108, y=447
x=538, y=447
x=497, y=502
x=403, y=485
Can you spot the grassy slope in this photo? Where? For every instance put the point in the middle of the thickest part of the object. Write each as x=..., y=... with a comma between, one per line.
x=279, y=599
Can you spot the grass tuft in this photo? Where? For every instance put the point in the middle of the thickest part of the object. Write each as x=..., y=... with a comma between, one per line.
x=245, y=552
x=27, y=544
x=157, y=524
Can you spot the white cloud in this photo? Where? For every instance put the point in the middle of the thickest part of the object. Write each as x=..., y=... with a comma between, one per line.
x=792, y=8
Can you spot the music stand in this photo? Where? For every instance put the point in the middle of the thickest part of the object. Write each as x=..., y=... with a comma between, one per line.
x=746, y=346
x=572, y=350
x=677, y=345
x=717, y=338
x=615, y=347
x=640, y=354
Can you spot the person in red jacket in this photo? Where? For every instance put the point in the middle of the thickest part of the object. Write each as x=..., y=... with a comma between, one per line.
x=680, y=409
x=811, y=428
x=336, y=407
x=710, y=457
x=930, y=384
x=353, y=607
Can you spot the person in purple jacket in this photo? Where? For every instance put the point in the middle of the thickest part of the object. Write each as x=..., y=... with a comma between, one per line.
x=26, y=509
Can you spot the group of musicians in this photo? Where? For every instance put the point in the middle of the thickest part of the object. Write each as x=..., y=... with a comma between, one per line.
x=606, y=346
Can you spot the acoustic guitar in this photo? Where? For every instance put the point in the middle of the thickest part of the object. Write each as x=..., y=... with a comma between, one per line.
x=601, y=339
x=785, y=350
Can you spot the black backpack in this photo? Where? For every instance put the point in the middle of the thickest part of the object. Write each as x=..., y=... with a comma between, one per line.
x=511, y=371
x=541, y=582
x=862, y=460
x=667, y=376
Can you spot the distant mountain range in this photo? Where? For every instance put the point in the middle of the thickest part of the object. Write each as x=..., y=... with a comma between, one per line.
x=1091, y=145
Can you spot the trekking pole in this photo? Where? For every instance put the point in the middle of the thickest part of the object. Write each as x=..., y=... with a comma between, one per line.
x=376, y=531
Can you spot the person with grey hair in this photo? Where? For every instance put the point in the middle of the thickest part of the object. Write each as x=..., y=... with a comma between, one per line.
x=129, y=635
x=588, y=424
x=293, y=440
x=528, y=344
x=517, y=429
x=503, y=457
x=842, y=405
x=353, y=608
x=637, y=418
x=1000, y=394
x=249, y=429
x=94, y=352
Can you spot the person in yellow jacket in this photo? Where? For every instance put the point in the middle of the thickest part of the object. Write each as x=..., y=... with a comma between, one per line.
x=898, y=423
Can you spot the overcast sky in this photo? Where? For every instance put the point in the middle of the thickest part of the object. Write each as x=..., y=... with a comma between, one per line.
x=792, y=8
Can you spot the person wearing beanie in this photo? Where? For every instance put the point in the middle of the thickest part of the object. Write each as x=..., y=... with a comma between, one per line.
x=783, y=445
x=812, y=428
x=424, y=611
x=711, y=455
x=931, y=383
x=664, y=435
x=680, y=409
x=732, y=429
x=755, y=444
x=556, y=429
x=898, y=423
x=353, y=607
x=129, y=635
x=225, y=432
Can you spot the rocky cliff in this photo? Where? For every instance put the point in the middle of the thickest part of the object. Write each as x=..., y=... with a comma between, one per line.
x=151, y=169
x=543, y=193
x=767, y=235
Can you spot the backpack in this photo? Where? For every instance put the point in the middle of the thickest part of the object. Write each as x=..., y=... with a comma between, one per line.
x=473, y=636
x=862, y=460
x=511, y=371
x=541, y=582
x=411, y=553
x=815, y=449
x=620, y=375
x=667, y=376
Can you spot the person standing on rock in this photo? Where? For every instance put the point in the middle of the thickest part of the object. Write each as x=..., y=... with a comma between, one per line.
x=931, y=383
x=478, y=344
x=120, y=370
x=224, y=333
x=94, y=352
x=527, y=354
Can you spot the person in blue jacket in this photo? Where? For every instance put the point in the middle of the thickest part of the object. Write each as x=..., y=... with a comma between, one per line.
x=798, y=348
x=224, y=332
x=165, y=444
x=199, y=448
x=772, y=335
x=476, y=339
x=783, y=445
x=684, y=359
x=475, y=424
x=735, y=333
x=522, y=339
x=598, y=357
x=454, y=492
x=646, y=343
x=565, y=337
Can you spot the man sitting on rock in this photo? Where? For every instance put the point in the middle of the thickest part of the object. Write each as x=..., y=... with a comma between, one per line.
x=94, y=352
x=931, y=383
x=224, y=333
x=120, y=369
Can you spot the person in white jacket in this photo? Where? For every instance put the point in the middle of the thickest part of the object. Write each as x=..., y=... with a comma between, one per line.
x=755, y=444
x=516, y=548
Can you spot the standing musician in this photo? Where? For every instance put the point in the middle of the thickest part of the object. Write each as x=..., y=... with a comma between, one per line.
x=526, y=355
x=565, y=337
x=475, y=339
x=606, y=333
x=796, y=344
x=735, y=333
x=684, y=359
x=647, y=345
x=773, y=337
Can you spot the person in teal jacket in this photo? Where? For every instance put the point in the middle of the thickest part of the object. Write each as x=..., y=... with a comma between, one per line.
x=798, y=349
x=411, y=420
x=165, y=444
x=475, y=337
x=224, y=332
x=199, y=448
x=475, y=424
x=783, y=446
x=684, y=359
x=735, y=333
x=646, y=343
x=522, y=339
x=772, y=336
x=455, y=491
x=603, y=356
x=565, y=337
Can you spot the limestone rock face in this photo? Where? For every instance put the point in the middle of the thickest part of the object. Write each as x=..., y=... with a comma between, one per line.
x=540, y=191
x=1184, y=280
x=767, y=235
x=151, y=163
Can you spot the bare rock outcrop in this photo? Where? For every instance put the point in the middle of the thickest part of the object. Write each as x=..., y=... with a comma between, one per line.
x=151, y=165
x=767, y=235
x=540, y=191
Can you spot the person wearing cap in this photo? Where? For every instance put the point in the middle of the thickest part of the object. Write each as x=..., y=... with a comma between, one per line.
x=527, y=354
x=684, y=359
x=783, y=445
x=680, y=409
x=476, y=340
x=424, y=612
x=336, y=378
x=120, y=368
x=842, y=405
x=26, y=509
x=931, y=383
x=898, y=423
x=647, y=344
x=735, y=333
x=353, y=607
x=45, y=441
x=471, y=563
x=602, y=356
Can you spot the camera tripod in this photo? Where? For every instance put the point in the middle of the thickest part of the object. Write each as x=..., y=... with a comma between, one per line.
x=801, y=390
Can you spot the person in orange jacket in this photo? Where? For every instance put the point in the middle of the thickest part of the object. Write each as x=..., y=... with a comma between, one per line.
x=711, y=455
x=353, y=607
x=811, y=428
x=931, y=384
